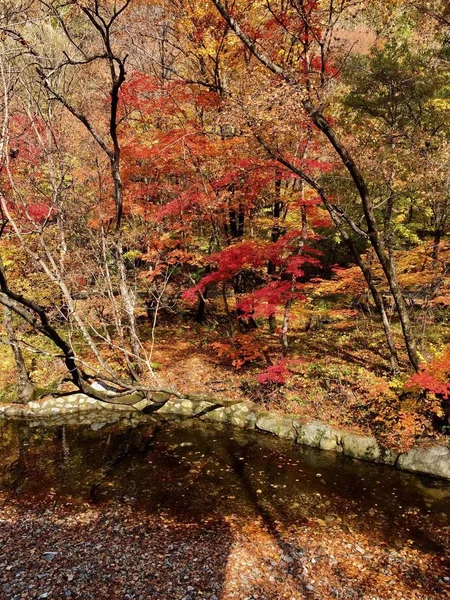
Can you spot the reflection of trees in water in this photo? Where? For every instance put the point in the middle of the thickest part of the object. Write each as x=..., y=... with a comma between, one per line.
x=201, y=470
x=275, y=515
x=14, y=467
x=62, y=458
x=136, y=443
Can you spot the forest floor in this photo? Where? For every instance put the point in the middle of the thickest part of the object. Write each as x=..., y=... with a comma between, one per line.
x=336, y=372
x=116, y=553
x=336, y=369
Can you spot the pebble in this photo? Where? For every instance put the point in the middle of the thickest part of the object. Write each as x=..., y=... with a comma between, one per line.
x=49, y=556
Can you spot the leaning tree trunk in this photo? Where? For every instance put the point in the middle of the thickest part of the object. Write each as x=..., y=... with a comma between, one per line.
x=377, y=298
x=319, y=120
x=386, y=261
x=337, y=216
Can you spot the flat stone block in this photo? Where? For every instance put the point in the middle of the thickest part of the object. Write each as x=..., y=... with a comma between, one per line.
x=432, y=461
x=280, y=426
x=361, y=446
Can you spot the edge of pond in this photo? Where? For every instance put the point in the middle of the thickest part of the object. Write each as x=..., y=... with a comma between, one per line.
x=431, y=460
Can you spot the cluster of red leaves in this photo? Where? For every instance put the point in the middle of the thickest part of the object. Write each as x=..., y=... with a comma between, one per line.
x=254, y=254
x=39, y=212
x=434, y=377
x=230, y=261
x=264, y=301
x=275, y=374
x=242, y=350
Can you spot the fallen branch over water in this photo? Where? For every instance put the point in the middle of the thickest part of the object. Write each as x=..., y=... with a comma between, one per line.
x=146, y=397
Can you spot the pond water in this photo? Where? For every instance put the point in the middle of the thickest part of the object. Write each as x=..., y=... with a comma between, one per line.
x=194, y=470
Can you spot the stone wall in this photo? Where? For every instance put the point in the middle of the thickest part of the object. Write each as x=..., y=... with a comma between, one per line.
x=432, y=460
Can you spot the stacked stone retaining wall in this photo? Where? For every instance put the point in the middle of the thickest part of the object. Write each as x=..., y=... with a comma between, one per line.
x=429, y=460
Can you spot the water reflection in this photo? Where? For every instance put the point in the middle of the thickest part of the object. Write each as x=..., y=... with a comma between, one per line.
x=197, y=470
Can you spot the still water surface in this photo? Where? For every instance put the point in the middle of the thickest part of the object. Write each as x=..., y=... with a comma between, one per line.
x=198, y=470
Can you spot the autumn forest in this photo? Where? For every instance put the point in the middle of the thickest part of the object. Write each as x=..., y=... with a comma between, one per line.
x=230, y=198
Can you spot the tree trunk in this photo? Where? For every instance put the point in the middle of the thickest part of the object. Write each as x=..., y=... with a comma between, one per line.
x=129, y=301
x=275, y=235
x=200, y=312
x=285, y=327
x=201, y=307
x=25, y=388
x=324, y=126
x=436, y=243
x=272, y=324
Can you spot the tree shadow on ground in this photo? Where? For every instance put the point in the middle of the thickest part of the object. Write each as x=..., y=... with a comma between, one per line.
x=397, y=546
x=104, y=554
x=183, y=511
